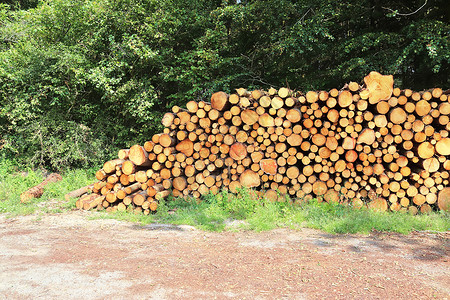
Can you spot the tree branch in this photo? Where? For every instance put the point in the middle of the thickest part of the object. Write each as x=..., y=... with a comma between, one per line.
x=408, y=14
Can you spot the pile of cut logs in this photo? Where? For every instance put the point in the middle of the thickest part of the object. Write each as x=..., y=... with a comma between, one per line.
x=372, y=145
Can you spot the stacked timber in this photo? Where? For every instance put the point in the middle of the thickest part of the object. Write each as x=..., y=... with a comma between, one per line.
x=364, y=145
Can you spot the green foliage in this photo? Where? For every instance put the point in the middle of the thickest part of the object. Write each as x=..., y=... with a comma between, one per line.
x=100, y=74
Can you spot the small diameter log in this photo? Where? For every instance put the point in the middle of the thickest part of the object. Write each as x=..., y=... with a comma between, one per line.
x=123, y=153
x=90, y=204
x=87, y=198
x=79, y=192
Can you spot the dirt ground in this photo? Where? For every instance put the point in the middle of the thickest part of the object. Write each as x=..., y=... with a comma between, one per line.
x=68, y=256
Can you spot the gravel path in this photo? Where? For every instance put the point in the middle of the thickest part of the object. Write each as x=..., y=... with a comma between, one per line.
x=68, y=256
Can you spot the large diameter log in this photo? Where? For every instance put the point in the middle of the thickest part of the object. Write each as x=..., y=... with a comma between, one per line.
x=269, y=166
x=398, y=115
x=238, y=151
x=443, y=146
x=186, y=147
x=367, y=136
x=139, y=156
x=345, y=98
x=179, y=183
x=378, y=204
x=319, y=188
x=110, y=166
x=444, y=199
x=249, y=179
x=380, y=87
x=249, y=117
x=219, y=100
x=425, y=150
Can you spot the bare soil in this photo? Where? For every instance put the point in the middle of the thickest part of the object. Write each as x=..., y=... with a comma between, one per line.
x=69, y=256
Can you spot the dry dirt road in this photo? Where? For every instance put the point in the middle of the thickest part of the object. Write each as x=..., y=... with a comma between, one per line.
x=68, y=256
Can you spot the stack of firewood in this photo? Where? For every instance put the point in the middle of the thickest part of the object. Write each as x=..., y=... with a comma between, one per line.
x=371, y=145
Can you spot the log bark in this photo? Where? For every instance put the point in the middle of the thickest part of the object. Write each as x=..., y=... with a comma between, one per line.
x=38, y=190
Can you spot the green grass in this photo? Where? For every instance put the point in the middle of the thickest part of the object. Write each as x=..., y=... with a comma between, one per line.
x=214, y=213
x=15, y=180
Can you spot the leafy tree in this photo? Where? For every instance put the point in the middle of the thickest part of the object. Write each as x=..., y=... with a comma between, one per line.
x=80, y=79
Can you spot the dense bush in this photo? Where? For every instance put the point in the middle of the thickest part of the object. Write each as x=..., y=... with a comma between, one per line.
x=81, y=78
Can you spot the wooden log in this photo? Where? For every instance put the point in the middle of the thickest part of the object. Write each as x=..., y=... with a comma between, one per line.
x=367, y=136
x=444, y=199
x=378, y=204
x=319, y=188
x=345, y=98
x=92, y=203
x=179, y=183
x=110, y=166
x=123, y=153
x=219, y=101
x=139, y=156
x=38, y=190
x=249, y=117
x=398, y=115
x=186, y=147
x=168, y=119
x=380, y=87
x=268, y=166
x=249, y=179
x=266, y=120
x=79, y=192
x=443, y=146
x=425, y=150
x=238, y=151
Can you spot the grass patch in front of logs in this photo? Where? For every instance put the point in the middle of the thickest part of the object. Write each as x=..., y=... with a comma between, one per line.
x=244, y=211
